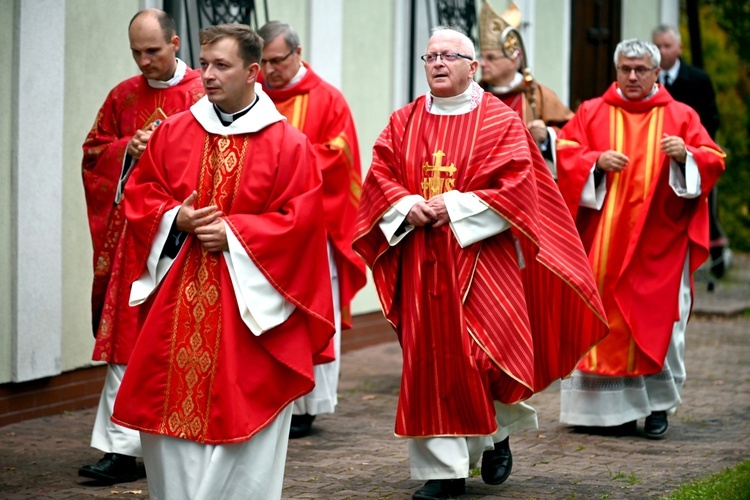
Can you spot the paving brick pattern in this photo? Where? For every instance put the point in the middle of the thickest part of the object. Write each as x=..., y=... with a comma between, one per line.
x=353, y=453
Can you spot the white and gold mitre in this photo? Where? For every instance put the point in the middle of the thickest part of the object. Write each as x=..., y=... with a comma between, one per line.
x=492, y=24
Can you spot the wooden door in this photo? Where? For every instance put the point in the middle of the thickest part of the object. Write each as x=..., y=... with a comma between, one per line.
x=595, y=32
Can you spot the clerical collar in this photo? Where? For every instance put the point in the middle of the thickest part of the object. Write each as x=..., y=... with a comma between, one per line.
x=649, y=96
x=295, y=79
x=227, y=119
x=672, y=72
x=179, y=74
x=459, y=104
x=504, y=89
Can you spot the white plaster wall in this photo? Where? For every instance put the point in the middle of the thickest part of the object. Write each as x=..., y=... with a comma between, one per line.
x=7, y=16
x=97, y=57
x=37, y=189
x=639, y=17
x=368, y=85
x=551, y=66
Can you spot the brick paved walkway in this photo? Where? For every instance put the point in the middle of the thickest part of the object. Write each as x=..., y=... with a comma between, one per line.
x=353, y=453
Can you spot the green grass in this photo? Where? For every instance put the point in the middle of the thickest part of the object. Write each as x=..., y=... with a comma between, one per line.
x=732, y=484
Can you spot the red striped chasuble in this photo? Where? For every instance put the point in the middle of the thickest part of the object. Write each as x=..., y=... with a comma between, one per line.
x=637, y=243
x=473, y=325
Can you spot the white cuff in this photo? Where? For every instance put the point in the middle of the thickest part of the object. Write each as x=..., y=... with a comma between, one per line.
x=261, y=306
x=592, y=195
x=156, y=266
x=471, y=218
x=395, y=216
x=688, y=185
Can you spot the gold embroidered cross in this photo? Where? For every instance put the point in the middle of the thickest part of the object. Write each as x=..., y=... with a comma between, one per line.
x=432, y=186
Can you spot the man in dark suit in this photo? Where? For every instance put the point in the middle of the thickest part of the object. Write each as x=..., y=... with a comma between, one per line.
x=693, y=87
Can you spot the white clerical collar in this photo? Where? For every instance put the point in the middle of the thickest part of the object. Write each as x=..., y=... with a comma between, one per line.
x=301, y=72
x=179, y=74
x=504, y=89
x=227, y=118
x=262, y=114
x=672, y=72
x=459, y=104
x=649, y=96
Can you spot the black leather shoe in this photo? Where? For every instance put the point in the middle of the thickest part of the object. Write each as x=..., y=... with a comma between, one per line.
x=656, y=425
x=441, y=488
x=626, y=429
x=111, y=469
x=497, y=463
x=301, y=425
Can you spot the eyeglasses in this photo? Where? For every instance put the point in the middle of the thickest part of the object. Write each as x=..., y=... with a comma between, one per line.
x=640, y=71
x=277, y=60
x=445, y=56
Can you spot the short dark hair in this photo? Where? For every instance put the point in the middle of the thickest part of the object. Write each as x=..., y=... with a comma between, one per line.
x=272, y=29
x=166, y=22
x=249, y=43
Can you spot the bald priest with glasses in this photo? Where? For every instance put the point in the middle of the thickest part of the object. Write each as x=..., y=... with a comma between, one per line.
x=478, y=267
x=635, y=168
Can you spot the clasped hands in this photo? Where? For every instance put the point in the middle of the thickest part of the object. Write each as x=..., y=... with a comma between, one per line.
x=430, y=212
x=205, y=223
x=671, y=145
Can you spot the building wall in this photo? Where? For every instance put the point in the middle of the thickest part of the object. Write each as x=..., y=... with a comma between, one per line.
x=97, y=57
x=7, y=47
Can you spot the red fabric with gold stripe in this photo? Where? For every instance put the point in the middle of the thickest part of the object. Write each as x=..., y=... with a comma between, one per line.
x=197, y=372
x=638, y=241
x=131, y=106
x=320, y=111
x=474, y=326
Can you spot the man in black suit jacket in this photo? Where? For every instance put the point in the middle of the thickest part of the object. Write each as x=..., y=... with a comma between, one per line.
x=693, y=87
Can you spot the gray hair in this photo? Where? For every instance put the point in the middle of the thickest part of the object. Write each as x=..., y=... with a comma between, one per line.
x=667, y=28
x=637, y=48
x=272, y=29
x=466, y=44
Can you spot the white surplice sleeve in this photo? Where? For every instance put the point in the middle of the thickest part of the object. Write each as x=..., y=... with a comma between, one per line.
x=394, y=219
x=471, y=219
x=156, y=265
x=689, y=184
x=592, y=195
x=260, y=305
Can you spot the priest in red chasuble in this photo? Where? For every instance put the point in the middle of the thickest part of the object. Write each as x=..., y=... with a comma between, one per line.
x=537, y=105
x=231, y=263
x=635, y=168
x=320, y=111
x=112, y=148
x=478, y=266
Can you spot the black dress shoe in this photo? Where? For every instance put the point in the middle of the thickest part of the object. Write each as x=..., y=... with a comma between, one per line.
x=112, y=468
x=497, y=463
x=441, y=488
x=656, y=425
x=301, y=425
x=626, y=429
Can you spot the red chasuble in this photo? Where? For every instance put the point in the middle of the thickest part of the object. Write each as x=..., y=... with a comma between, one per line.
x=131, y=106
x=320, y=111
x=474, y=324
x=197, y=371
x=637, y=243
